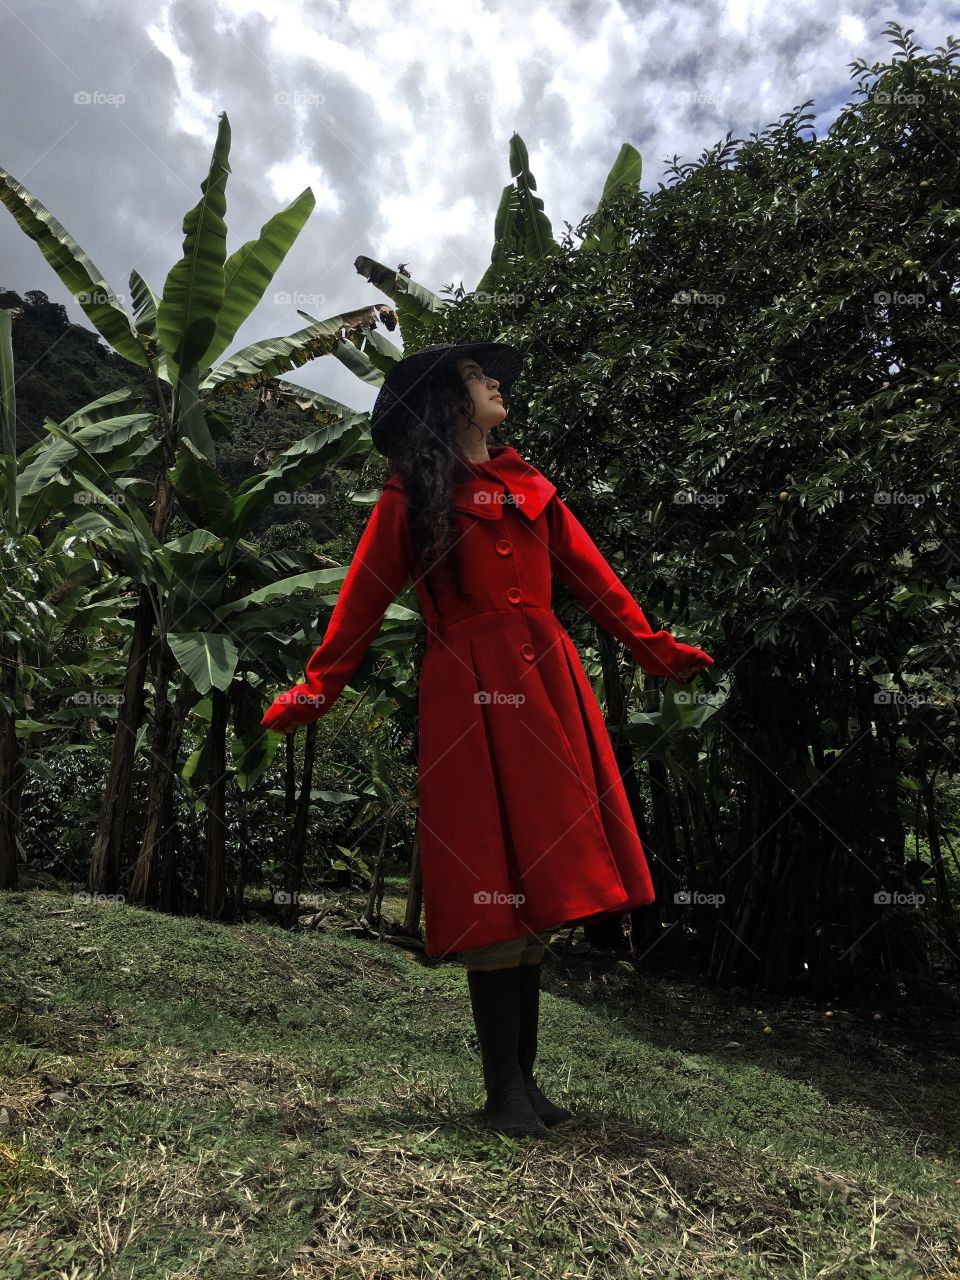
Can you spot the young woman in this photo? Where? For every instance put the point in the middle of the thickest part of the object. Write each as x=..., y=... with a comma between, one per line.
x=523, y=822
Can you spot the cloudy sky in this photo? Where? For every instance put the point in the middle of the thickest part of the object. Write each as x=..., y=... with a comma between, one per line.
x=398, y=116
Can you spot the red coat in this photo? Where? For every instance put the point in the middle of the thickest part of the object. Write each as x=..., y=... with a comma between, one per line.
x=523, y=819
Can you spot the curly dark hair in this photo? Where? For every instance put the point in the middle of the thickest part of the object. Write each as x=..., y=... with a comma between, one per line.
x=424, y=449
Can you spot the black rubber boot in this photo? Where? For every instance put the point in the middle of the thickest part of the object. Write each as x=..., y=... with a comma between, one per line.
x=496, y=1013
x=529, y=979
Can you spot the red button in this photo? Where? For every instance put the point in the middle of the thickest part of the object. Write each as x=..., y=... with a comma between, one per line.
x=504, y=547
x=527, y=651
x=514, y=595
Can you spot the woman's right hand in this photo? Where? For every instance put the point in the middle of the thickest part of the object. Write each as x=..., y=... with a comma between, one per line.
x=691, y=668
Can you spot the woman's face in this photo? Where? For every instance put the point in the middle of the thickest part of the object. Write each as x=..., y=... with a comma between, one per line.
x=488, y=407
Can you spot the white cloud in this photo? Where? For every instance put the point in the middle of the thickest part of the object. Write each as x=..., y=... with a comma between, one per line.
x=191, y=110
x=398, y=117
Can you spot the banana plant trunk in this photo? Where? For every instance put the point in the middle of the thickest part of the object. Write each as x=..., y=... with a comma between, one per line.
x=215, y=904
x=169, y=720
x=289, y=777
x=104, y=874
x=374, y=912
x=411, y=919
x=297, y=848
x=12, y=772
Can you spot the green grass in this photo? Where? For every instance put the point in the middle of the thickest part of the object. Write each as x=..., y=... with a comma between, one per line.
x=188, y=1099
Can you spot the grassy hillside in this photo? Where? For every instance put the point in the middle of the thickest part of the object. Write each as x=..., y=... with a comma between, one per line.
x=186, y=1099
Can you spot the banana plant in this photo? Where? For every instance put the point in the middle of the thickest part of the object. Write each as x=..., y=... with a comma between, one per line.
x=181, y=336
x=220, y=634
x=522, y=231
x=55, y=595
x=233, y=620
x=215, y=599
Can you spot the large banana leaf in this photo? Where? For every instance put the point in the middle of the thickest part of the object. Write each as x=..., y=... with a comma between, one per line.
x=178, y=559
x=273, y=356
x=300, y=463
x=89, y=615
x=202, y=490
x=284, y=587
x=8, y=410
x=303, y=582
x=129, y=514
x=538, y=238
x=521, y=229
x=305, y=398
x=365, y=367
x=253, y=754
x=248, y=272
x=63, y=497
x=505, y=247
x=193, y=290
x=413, y=300
x=193, y=420
x=126, y=551
x=102, y=440
x=84, y=280
x=626, y=172
x=146, y=302
x=211, y=505
x=209, y=658
x=107, y=407
x=196, y=766
x=46, y=481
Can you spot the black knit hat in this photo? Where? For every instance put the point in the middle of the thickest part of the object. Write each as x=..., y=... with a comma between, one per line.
x=498, y=360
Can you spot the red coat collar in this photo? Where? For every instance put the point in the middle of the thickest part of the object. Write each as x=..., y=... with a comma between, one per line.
x=506, y=470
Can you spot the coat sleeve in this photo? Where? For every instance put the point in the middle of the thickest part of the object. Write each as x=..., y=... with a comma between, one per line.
x=577, y=561
x=380, y=569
